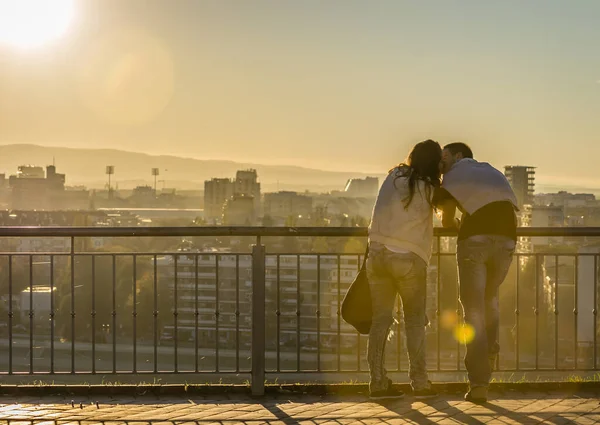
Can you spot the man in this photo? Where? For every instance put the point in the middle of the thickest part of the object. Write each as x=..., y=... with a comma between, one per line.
x=486, y=243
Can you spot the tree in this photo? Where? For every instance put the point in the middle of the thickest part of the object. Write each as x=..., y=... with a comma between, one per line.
x=319, y=217
x=359, y=221
x=145, y=245
x=267, y=221
x=18, y=279
x=320, y=245
x=291, y=221
x=144, y=306
x=290, y=244
x=354, y=246
x=99, y=287
x=343, y=220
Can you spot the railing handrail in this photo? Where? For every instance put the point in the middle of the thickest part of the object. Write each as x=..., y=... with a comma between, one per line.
x=255, y=231
x=243, y=295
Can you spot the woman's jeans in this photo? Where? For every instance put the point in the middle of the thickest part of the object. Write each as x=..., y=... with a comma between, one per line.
x=390, y=274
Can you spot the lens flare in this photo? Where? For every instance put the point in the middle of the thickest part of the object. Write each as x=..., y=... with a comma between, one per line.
x=449, y=319
x=464, y=334
x=127, y=77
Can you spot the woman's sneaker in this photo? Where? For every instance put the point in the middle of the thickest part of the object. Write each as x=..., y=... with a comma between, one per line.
x=426, y=392
x=389, y=394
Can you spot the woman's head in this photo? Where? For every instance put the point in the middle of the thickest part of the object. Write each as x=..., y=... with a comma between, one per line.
x=423, y=163
x=424, y=160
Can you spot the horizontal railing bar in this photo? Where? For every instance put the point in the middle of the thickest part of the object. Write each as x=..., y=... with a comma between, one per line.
x=272, y=372
x=134, y=253
x=248, y=254
x=129, y=372
x=43, y=231
x=179, y=231
x=244, y=372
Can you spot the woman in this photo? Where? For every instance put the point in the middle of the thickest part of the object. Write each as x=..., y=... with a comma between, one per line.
x=400, y=239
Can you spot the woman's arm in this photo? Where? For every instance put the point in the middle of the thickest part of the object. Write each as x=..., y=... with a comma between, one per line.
x=445, y=202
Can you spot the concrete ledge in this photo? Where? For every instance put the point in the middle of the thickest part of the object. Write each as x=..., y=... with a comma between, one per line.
x=450, y=387
x=274, y=389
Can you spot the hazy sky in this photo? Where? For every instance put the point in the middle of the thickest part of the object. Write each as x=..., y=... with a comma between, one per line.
x=331, y=84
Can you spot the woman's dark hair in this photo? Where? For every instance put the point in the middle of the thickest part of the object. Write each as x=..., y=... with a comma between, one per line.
x=423, y=163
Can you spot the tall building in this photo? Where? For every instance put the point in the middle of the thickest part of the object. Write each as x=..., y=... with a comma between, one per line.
x=32, y=190
x=30, y=172
x=216, y=193
x=547, y=216
x=316, y=281
x=362, y=188
x=522, y=181
x=302, y=301
x=566, y=199
x=143, y=196
x=239, y=210
x=286, y=204
x=246, y=183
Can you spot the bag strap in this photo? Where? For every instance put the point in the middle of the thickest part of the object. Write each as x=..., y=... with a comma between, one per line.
x=364, y=264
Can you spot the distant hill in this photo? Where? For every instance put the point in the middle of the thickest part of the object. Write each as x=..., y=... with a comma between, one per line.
x=553, y=188
x=87, y=167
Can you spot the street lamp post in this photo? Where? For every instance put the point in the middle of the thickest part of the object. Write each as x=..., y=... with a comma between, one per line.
x=110, y=170
x=155, y=173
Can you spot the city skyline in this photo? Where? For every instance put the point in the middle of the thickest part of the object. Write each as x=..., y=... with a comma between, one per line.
x=326, y=86
x=86, y=167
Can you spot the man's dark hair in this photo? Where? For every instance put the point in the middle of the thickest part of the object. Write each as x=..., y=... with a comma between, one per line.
x=456, y=148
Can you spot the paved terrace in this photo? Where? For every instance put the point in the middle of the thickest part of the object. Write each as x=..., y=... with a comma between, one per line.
x=507, y=406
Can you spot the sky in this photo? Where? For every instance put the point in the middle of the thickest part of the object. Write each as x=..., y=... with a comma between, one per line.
x=337, y=84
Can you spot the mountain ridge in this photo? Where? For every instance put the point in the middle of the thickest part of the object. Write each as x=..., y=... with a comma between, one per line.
x=86, y=166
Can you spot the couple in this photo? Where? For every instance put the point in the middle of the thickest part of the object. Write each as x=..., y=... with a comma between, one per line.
x=400, y=241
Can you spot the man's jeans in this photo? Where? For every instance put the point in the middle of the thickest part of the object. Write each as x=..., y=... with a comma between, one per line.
x=391, y=273
x=483, y=263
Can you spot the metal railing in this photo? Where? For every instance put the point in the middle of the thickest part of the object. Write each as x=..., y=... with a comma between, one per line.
x=261, y=313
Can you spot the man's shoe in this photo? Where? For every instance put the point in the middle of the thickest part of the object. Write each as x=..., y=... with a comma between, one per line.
x=492, y=360
x=477, y=395
x=389, y=394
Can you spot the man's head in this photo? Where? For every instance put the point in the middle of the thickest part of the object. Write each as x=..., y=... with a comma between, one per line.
x=453, y=153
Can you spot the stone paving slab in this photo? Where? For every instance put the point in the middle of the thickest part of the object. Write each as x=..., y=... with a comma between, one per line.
x=506, y=408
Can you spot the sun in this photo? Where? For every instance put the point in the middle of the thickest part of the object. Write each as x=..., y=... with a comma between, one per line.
x=33, y=23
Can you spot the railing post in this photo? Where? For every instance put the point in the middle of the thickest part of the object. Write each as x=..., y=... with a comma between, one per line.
x=258, y=318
